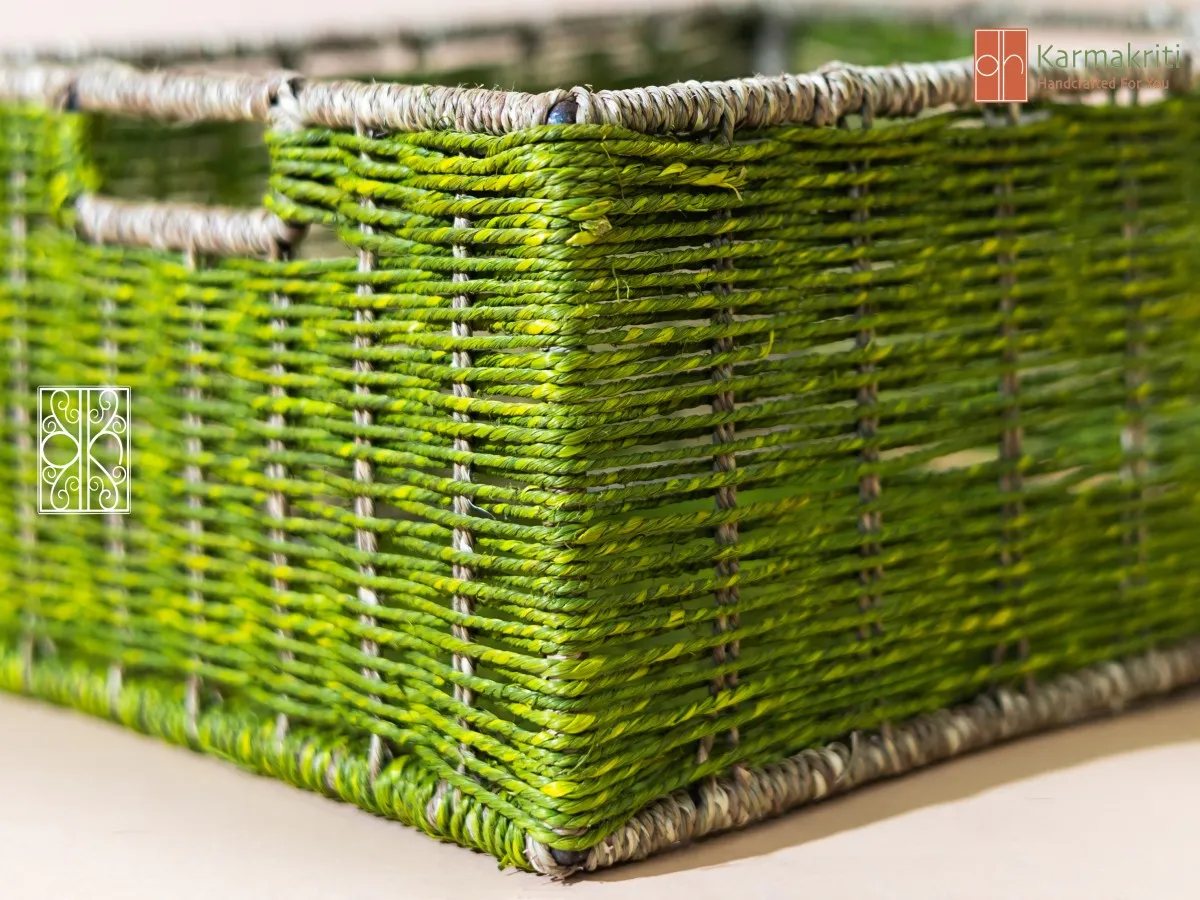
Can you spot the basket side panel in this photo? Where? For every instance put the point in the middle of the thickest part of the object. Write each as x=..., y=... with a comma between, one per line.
x=275, y=591
x=853, y=425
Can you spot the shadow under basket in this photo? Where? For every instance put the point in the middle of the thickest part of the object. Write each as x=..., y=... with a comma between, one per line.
x=574, y=473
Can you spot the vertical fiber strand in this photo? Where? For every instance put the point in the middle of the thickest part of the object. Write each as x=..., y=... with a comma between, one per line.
x=19, y=346
x=193, y=477
x=463, y=540
x=1137, y=381
x=277, y=505
x=1011, y=437
x=870, y=518
x=562, y=856
x=364, y=472
x=114, y=523
x=724, y=462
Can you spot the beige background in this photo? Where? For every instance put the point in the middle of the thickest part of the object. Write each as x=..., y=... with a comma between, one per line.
x=1107, y=811
x=88, y=22
x=35, y=24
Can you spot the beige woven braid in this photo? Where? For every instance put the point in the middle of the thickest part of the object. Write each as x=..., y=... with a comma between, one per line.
x=821, y=98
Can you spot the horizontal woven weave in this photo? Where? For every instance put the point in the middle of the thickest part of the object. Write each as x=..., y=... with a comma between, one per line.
x=601, y=465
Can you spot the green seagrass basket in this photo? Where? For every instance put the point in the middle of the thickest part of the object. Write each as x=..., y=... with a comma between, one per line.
x=574, y=473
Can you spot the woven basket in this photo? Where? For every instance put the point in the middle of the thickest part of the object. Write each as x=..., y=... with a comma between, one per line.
x=575, y=473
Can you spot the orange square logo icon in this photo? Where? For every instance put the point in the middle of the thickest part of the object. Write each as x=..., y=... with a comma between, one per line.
x=1001, y=65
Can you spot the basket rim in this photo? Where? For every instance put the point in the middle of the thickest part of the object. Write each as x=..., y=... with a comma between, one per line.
x=289, y=101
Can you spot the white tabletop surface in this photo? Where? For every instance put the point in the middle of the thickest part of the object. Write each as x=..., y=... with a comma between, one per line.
x=1104, y=811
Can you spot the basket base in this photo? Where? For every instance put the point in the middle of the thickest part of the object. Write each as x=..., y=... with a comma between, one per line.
x=753, y=795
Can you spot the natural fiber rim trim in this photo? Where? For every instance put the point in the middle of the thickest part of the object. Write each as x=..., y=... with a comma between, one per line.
x=287, y=100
